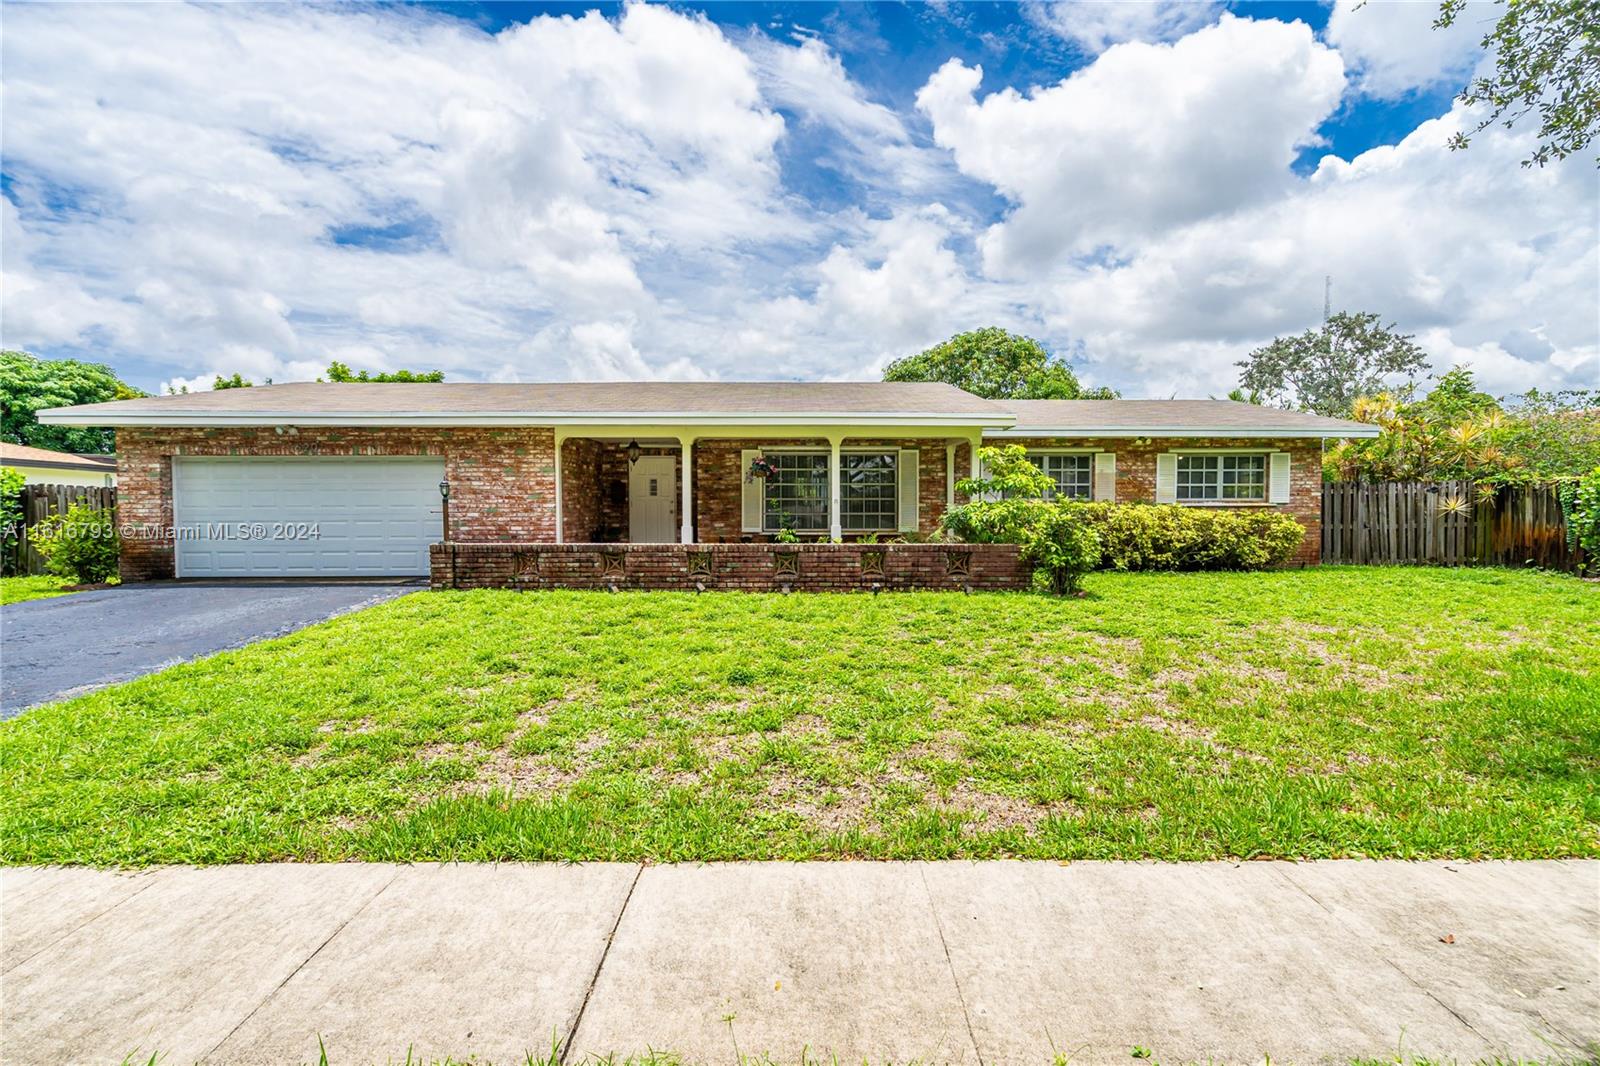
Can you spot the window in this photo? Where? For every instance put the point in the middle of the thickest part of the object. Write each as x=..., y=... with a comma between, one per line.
x=869, y=491
x=796, y=493
x=1222, y=477
x=1073, y=474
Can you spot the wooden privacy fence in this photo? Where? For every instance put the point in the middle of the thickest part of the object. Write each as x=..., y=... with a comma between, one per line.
x=40, y=502
x=1445, y=523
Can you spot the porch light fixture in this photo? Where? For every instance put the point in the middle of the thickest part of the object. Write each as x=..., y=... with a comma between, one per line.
x=634, y=451
x=444, y=490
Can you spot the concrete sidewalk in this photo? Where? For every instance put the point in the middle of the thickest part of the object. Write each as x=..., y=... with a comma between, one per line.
x=940, y=962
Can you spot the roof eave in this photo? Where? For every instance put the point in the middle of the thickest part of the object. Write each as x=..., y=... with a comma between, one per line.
x=1186, y=431
x=87, y=415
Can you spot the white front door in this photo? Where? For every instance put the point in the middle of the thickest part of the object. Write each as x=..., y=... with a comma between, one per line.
x=652, y=500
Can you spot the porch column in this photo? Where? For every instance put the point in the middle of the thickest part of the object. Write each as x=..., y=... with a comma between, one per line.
x=835, y=520
x=949, y=474
x=686, y=533
x=977, y=442
x=560, y=438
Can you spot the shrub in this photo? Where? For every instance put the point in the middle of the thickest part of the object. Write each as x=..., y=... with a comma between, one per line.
x=1007, y=507
x=81, y=544
x=11, y=516
x=1581, y=502
x=1141, y=536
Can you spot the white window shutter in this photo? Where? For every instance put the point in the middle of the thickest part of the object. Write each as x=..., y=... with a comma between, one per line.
x=909, y=511
x=983, y=475
x=1166, y=478
x=754, y=493
x=1105, y=476
x=1278, y=481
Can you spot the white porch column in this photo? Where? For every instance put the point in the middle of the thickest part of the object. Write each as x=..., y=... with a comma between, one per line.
x=977, y=442
x=686, y=533
x=835, y=519
x=949, y=474
x=560, y=437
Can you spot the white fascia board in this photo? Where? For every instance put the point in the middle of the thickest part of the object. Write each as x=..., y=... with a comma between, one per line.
x=1188, y=431
x=82, y=417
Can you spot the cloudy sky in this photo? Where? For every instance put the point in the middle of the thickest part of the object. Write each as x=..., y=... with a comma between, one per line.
x=551, y=192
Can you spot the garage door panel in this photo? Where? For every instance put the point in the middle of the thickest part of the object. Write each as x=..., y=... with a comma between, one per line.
x=372, y=517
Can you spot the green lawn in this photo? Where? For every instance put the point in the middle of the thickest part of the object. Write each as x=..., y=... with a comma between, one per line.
x=1379, y=712
x=31, y=587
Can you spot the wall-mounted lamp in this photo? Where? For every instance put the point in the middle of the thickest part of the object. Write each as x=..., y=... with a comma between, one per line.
x=634, y=451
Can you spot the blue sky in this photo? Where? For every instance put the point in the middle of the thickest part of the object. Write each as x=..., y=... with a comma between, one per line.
x=570, y=191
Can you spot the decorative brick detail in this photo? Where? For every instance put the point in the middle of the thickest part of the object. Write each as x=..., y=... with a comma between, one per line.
x=871, y=563
x=502, y=481
x=613, y=564
x=958, y=563
x=748, y=567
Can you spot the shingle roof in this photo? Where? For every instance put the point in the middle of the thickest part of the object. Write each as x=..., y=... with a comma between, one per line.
x=24, y=455
x=565, y=400
x=1168, y=418
x=725, y=402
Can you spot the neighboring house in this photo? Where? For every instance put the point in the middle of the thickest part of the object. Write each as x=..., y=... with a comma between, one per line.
x=368, y=464
x=40, y=466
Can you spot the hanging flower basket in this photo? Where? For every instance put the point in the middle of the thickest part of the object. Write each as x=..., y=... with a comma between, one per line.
x=761, y=467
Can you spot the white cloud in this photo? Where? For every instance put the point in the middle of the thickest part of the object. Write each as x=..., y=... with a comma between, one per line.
x=607, y=198
x=1146, y=138
x=1095, y=25
x=1394, y=49
x=1488, y=262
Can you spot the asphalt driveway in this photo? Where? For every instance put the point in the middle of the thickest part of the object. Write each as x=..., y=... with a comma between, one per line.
x=54, y=648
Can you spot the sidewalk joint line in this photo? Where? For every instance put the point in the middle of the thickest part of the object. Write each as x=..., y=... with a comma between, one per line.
x=1355, y=934
x=303, y=964
x=594, y=978
x=938, y=927
x=96, y=916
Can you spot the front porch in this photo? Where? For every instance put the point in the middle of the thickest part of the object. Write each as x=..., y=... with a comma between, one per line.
x=750, y=567
x=656, y=487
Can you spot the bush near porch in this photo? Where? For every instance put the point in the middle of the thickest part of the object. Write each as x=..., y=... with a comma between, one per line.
x=1065, y=539
x=1333, y=712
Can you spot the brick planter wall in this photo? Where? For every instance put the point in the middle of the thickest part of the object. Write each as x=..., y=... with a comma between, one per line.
x=747, y=567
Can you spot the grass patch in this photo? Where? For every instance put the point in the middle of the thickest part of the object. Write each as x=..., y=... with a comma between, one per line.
x=32, y=587
x=1338, y=712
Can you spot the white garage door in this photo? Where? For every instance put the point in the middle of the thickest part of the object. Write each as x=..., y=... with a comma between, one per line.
x=305, y=517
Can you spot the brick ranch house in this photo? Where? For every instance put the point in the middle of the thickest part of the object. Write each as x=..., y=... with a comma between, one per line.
x=587, y=484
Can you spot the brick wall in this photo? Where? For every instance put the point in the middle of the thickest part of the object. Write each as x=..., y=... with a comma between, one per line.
x=502, y=481
x=1136, y=474
x=719, y=476
x=746, y=567
x=580, y=489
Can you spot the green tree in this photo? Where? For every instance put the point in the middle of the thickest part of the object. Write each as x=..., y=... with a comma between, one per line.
x=1546, y=58
x=1457, y=431
x=29, y=384
x=999, y=365
x=1326, y=370
x=237, y=381
x=338, y=371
